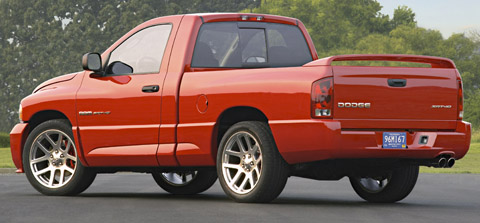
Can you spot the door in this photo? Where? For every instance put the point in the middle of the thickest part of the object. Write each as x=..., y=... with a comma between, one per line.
x=119, y=112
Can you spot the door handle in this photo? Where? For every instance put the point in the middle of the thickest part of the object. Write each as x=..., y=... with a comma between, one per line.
x=150, y=88
x=397, y=82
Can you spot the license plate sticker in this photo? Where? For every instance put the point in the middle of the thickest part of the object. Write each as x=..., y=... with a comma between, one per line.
x=394, y=140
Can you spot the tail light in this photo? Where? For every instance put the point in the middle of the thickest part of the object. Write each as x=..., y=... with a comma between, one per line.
x=322, y=98
x=460, y=100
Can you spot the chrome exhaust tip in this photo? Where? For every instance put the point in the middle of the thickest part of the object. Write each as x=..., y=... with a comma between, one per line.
x=442, y=162
x=450, y=162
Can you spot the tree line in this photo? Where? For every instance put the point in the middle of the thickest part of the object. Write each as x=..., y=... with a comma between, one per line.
x=41, y=39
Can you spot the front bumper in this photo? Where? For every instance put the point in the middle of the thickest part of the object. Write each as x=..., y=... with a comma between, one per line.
x=312, y=140
x=18, y=136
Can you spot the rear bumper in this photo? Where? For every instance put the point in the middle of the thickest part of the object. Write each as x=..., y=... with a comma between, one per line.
x=17, y=140
x=312, y=140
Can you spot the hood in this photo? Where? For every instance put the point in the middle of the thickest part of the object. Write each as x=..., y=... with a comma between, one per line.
x=55, y=80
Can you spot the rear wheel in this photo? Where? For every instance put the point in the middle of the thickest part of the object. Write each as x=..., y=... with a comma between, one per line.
x=389, y=188
x=185, y=182
x=249, y=166
x=51, y=161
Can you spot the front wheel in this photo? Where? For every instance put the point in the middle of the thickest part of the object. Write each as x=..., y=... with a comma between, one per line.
x=51, y=161
x=249, y=166
x=185, y=182
x=389, y=188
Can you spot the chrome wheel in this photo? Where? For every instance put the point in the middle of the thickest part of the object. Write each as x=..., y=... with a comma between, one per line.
x=53, y=158
x=179, y=178
x=186, y=181
x=373, y=185
x=249, y=166
x=242, y=162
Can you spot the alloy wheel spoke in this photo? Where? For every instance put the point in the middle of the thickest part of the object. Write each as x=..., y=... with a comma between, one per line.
x=59, y=141
x=233, y=153
x=70, y=157
x=235, y=178
x=169, y=176
x=67, y=168
x=40, y=159
x=67, y=147
x=248, y=141
x=44, y=150
x=383, y=183
x=258, y=160
x=250, y=180
x=43, y=171
x=231, y=166
x=244, y=182
x=240, y=144
x=257, y=171
x=62, y=176
x=50, y=140
x=52, y=177
x=255, y=149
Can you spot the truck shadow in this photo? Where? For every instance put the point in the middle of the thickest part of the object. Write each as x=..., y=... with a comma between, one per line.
x=281, y=201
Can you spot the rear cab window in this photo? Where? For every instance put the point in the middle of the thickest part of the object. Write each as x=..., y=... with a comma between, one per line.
x=250, y=45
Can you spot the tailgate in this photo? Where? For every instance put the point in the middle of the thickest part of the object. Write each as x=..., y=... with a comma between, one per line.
x=394, y=98
x=399, y=97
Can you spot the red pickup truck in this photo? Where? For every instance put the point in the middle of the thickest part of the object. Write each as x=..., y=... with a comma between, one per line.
x=243, y=97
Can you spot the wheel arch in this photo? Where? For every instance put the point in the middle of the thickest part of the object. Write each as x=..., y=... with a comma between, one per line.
x=232, y=116
x=45, y=115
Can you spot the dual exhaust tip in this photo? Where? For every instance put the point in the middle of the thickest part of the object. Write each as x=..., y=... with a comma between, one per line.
x=443, y=162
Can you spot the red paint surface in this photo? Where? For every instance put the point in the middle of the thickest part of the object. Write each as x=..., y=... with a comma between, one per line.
x=140, y=155
x=17, y=140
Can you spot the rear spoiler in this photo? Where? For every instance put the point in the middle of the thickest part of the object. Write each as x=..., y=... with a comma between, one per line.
x=435, y=62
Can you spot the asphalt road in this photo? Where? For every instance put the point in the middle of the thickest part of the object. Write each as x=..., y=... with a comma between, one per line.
x=136, y=198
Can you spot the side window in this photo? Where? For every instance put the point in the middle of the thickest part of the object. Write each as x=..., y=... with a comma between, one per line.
x=224, y=44
x=141, y=53
x=216, y=43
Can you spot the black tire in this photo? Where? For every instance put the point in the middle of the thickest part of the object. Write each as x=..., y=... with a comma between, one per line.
x=268, y=170
x=401, y=182
x=73, y=183
x=199, y=182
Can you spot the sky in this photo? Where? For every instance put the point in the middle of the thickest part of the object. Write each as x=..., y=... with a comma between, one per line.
x=447, y=16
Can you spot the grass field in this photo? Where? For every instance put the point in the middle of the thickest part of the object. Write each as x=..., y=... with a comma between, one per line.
x=469, y=164
x=6, y=158
x=476, y=136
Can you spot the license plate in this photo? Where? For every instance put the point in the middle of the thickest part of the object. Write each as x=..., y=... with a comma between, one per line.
x=394, y=140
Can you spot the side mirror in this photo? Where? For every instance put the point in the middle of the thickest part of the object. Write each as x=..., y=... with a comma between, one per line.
x=92, y=61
